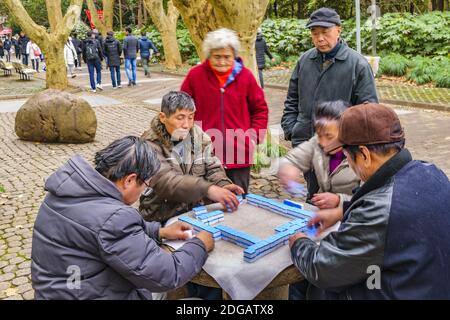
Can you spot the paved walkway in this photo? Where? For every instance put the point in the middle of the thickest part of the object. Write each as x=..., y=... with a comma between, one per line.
x=25, y=165
x=390, y=91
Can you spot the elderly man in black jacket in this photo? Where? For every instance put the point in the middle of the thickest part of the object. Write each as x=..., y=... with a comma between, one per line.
x=328, y=72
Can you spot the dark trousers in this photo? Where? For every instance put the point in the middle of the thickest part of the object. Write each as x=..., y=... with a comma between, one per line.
x=78, y=61
x=35, y=64
x=115, y=73
x=97, y=66
x=17, y=53
x=8, y=56
x=25, y=59
x=240, y=177
x=261, y=79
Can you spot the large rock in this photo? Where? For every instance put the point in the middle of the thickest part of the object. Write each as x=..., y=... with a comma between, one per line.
x=56, y=116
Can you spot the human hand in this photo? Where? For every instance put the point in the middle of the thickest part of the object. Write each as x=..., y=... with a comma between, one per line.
x=225, y=197
x=294, y=237
x=175, y=231
x=326, y=200
x=287, y=172
x=207, y=239
x=326, y=218
x=234, y=188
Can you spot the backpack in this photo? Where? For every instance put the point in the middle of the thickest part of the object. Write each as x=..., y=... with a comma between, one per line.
x=92, y=51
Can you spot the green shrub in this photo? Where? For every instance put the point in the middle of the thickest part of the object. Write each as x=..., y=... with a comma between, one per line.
x=423, y=70
x=2, y=189
x=441, y=76
x=267, y=151
x=394, y=65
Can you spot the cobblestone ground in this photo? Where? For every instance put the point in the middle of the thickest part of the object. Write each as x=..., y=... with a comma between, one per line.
x=25, y=165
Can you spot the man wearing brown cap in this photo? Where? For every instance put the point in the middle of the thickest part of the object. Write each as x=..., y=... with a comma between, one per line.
x=394, y=239
x=330, y=71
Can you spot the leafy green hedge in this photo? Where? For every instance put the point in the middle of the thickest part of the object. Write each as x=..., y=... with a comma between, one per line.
x=403, y=33
x=419, y=69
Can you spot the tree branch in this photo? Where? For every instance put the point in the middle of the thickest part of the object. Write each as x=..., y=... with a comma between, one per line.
x=95, y=19
x=54, y=13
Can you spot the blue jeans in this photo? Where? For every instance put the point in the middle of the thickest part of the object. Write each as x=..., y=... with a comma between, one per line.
x=97, y=65
x=130, y=69
x=115, y=71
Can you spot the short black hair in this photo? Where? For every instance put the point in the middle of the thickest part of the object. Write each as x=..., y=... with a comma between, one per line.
x=329, y=111
x=143, y=33
x=175, y=100
x=89, y=33
x=128, y=29
x=110, y=33
x=125, y=156
x=381, y=148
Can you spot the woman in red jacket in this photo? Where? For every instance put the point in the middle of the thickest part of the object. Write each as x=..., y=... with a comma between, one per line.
x=231, y=107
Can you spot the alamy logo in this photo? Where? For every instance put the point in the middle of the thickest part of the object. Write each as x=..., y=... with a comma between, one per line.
x=374, y=280
x=74, y=280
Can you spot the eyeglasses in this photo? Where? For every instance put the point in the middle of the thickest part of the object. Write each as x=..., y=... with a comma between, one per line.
x=148, y=190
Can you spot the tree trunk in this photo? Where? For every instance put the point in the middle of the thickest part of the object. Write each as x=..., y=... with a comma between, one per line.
x=107, y=24
x=56, y=74
x=200, y=18
x=139, y=24
x=120, y=15
x=243, y=16
x=51, y=44
x=166, y=23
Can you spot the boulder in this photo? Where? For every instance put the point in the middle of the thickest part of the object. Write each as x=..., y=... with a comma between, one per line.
x=56, y=116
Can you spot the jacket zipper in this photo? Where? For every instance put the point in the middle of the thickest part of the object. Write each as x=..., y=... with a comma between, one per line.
x=222, y=113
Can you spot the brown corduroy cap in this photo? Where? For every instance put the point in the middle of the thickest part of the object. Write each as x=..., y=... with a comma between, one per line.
x=367, y=124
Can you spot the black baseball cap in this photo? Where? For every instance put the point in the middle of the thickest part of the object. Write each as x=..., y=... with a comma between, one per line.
x=324, y=17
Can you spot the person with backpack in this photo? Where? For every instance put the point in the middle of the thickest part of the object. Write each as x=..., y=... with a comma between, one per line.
x=145, y=45
x=113, y=50
x=93, y=57
x=130, y=50
x=15, y=43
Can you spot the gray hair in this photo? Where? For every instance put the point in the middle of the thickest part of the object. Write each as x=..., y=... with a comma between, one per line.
x=176, y=100
x=220, y=39
x=126, y=156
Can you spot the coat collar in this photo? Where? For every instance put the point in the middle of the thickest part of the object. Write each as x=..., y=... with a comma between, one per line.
x=159, y=135
x=342, y=54
x=384, y=173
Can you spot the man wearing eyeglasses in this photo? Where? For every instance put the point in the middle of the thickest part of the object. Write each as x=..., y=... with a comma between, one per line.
x=89, y=243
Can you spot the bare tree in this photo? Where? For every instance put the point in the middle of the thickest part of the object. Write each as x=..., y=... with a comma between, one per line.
x=51, y=43
x=108, y=14
x=166, y=22
x=242, y=16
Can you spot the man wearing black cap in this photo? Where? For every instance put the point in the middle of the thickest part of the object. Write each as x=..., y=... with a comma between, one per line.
x=393, y=240
x=328, y=72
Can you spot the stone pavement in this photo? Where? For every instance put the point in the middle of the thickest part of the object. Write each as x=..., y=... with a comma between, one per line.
x=388, y=91
x=24, y=166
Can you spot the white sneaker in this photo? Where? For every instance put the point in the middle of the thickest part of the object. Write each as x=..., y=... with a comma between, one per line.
x=79, y=68
x=99, y=86
x=119, y=86
x=114, y=88
x=93, y=90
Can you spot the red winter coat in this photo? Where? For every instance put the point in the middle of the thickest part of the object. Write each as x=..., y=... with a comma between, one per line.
x=230, y=112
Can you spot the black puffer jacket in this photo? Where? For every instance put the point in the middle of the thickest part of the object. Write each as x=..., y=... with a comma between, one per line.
x=112, y=50
x=261, y=51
